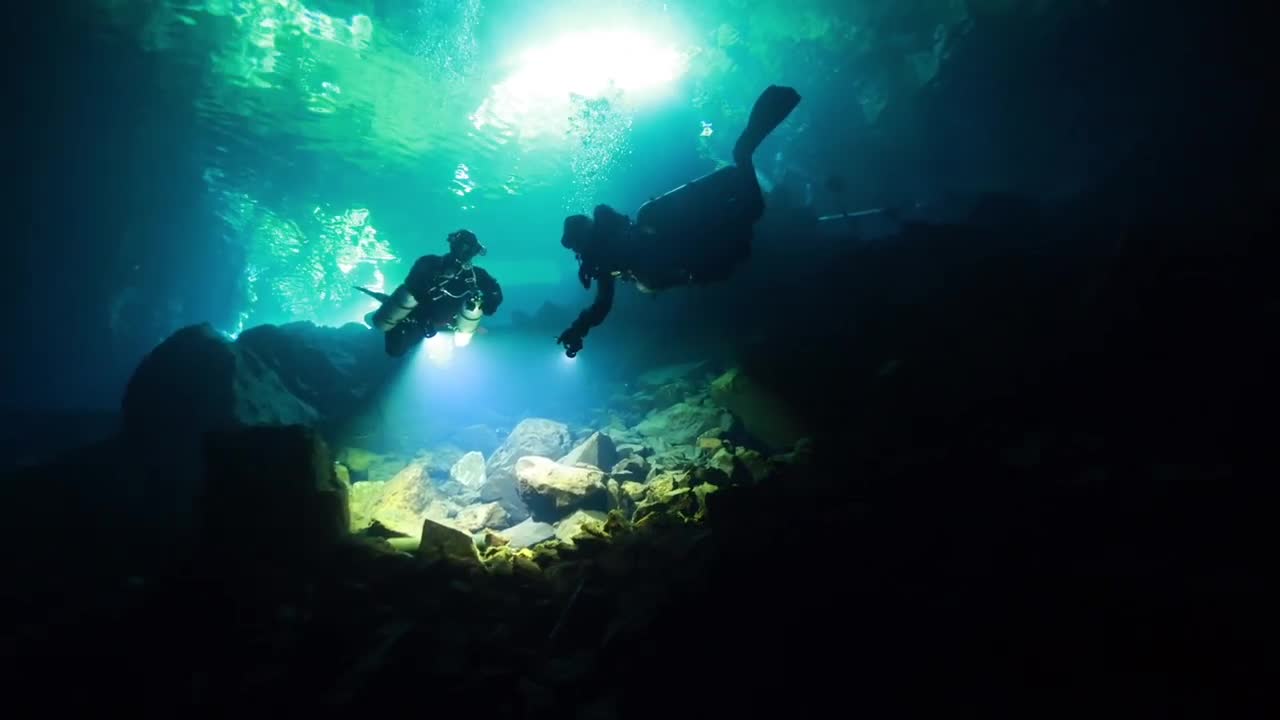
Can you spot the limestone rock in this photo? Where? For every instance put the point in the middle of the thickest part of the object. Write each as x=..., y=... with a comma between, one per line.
x=726, y=462
x=366, y=465
x=528, y=533
x=406, y=499
x=629, y=450
x=441, y=459
x=358, y=460
x=194, y=382
x=677, y=458
x=634, y=490
x=581, y=521
x=681, y=424
x=364, y=497
x=710, y=445
x=478, y=517
x=534, y=436
x=634, y=468
x=597, y=451
x=332, y=369
x=676, y=503
x=469, y=471
x=270, y=494
x=757, y=465
x=667, y=481
x=550, y=490
x=763, y=413
x=441, y=542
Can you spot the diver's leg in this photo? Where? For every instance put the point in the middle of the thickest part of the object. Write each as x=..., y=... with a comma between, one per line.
x=771, y=108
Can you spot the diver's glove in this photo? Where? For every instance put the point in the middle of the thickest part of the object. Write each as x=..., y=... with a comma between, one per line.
x=571, y=339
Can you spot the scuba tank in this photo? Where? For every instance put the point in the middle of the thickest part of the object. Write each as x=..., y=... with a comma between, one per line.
x=706, y=202
x=465, y=326
x=394, y=309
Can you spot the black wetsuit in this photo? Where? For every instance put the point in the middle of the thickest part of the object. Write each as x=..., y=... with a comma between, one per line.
x=442, y=287
x=696, y=234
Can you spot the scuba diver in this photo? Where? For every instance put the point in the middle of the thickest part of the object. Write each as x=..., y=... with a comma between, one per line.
x=441, y=292
x=695, y=234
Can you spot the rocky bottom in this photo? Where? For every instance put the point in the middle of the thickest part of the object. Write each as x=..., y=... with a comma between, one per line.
x=792, y=594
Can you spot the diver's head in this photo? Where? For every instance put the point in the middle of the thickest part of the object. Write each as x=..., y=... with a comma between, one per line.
x=464, y=246
x=577, y=233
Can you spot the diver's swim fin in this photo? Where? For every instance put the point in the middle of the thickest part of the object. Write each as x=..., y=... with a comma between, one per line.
x=380, y=297
x=771, y=108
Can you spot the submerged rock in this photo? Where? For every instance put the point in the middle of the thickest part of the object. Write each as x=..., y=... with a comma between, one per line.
x=469, y=471
x=195, y=381
x=441, y=459
x=443, y=542
x=534, y=436
x=407, y=499
x=763, y=413
x=478, y=517
x=758, y=466
x=270, y=494
x=634, y=468
x=682, y=423
x=333, y=369
x=550, y=490
x=629, y=450
x=528, y=533
x=597, y=451
x=580, y=522
x=727, y=463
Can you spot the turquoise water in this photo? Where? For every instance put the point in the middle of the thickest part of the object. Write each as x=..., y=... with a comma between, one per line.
x=340, y=140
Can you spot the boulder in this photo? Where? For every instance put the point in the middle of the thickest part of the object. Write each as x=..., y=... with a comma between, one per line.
x=366, y=465
x=634, y=468
x=726, y=462
x=757, y=465
x=441, y=459
x=441, y=542
x=623, y=496
x=270, y=495
x=580, y=522
x=333, y=369
x=194, y=382
x=198, y=380
x=363, y=499
x=710, y=445
x=533, y=436
x=551, y=490
x=682, y=423
x=627, y=450
x=475, y=518
x=528, y=533
x=763, y=413
x=408, y=499
x=597, y=451
x=469, y=471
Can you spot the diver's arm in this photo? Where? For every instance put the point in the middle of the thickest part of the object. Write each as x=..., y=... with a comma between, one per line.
x=591, y=317
x=492, y=291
